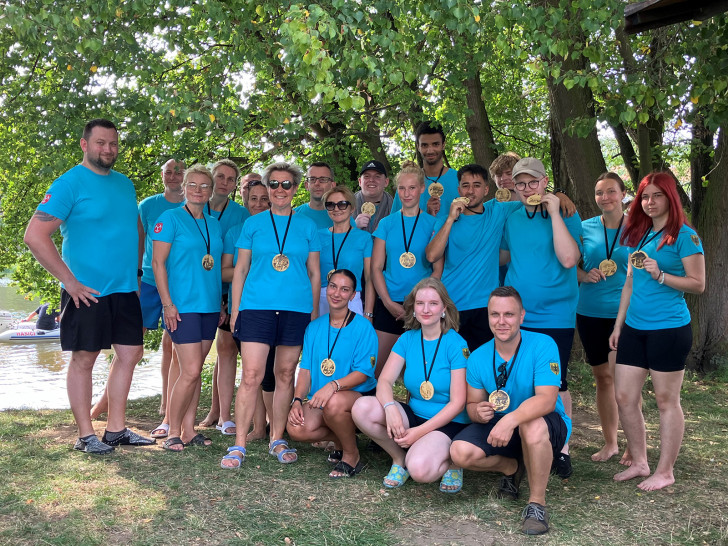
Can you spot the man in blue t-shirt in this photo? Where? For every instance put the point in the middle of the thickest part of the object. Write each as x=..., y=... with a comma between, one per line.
x=319, y=179
x=519, y=422
x=95, y=208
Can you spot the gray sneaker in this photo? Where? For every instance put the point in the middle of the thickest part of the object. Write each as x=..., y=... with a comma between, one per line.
x=127, y=437
x=535, y=519
x=510, y=485
x=91, y=444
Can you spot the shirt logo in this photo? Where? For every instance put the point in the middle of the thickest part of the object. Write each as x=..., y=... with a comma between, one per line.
x=694, y=238
x=158, y=227
x=46, y=199
x=466, y=352
x=373, y=360
x=554, y=367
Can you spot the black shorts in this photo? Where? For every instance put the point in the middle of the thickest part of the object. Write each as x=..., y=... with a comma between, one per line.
x=271, y=327
x=450, y=430
x=477, y=434
x=384, y=321
x=564, y=338
x=475, y=327
x=658, y=350
x=115, y=320
x=594, y=333
x=225, y=326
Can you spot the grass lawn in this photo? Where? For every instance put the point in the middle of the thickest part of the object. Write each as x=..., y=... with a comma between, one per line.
x=51, y=494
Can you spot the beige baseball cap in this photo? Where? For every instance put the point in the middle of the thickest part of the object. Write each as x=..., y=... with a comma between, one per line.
x=529, y=165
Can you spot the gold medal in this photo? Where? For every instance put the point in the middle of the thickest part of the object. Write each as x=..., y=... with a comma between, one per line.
x=534, y=199
x=280, y=262
x=436, y=189
x=608, y=267
x=465, y=200
x=637, y=259
x=328, y=367
x=500, y=400
x=503, y=194
x=427, y=390
x=368, y=208
x=208, y=262
x=407, y=260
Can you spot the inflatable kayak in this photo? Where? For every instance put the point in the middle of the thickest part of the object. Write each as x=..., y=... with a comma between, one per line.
x=12, y=332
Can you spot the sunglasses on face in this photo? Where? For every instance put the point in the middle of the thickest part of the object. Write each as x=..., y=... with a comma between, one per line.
x=341, y=205
x=285, y=184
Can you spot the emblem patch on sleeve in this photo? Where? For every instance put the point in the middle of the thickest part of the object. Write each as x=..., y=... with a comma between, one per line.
x=48, y=198
x=373, y=360
x=466, y=352
x=158, y=227
x=693, y=237
x=554, y=367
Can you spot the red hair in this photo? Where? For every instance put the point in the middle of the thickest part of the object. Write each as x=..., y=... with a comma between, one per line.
x=637, y=220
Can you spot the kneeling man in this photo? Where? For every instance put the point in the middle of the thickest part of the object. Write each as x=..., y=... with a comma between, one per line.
x=519, y=422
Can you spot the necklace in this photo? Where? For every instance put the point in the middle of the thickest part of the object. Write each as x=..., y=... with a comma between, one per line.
x=208, y=262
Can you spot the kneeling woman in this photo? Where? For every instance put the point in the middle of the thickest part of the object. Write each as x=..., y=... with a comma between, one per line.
x=337, y=366
x=418, y=435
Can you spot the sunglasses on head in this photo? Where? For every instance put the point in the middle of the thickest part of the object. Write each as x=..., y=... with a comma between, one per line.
x=285, y=184
x=341, y=205
x=254, y=183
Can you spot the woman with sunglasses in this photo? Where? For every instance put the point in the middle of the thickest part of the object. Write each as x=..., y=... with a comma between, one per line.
x=275, y=294
x=343, y=246
x=652, y=333
x=417, y=435
x=399, y=260
x=337, y=368
x=187, y=248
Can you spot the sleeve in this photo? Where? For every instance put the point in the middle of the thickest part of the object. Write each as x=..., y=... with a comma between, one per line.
x=573, y=224
x=165, y=228
x=457, y=352
x=58, y=200
x=143, y=214
x=396, y=204
x=365, y=351
x=314, y=244
x=382, y=229
x=307, y=352
x=547, y=367
x=688, y=243
x=400, y=346
x=368, y=245
x=246, y=237
x=475, y=362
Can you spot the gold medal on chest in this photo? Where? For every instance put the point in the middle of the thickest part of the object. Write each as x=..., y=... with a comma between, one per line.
x=208, y=262
x=427, y=390
x=328, y=367
x=407, y=260
x=368, y=208
x=502, y=195
x=608, y=267
x=500, y=400
x=637, y=259
x=280, y=262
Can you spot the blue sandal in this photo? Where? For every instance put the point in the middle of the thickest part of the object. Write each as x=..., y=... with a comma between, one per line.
x=231, y=456
x=397, y=474
x=452, y=478
x=280, y=454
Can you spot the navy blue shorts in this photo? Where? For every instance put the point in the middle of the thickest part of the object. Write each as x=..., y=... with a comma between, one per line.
x=659, y=350
x=271, y=327
x=594, y=333
x=450, y=430
x=194, y=327
x=564, y=338
x=151, y=306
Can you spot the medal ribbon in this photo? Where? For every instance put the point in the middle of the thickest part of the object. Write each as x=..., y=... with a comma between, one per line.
x=433, y=180
x=643, y=242
x=506, y=374
x=614, y=241
x=221, y=212
x=424, y=360
x=544, y=212
x=335, y=254
x=328, y=335
x=404, y=234
x=275, y=230
x=207, y=240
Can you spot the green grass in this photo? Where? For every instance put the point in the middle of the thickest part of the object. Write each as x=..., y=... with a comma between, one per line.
x=50, y=494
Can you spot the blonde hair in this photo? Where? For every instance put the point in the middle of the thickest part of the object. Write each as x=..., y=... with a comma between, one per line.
x=503, y=162
x=226, y=163
x=346, y=192
x=197, y=168
x=452, y=317
x=410, y=167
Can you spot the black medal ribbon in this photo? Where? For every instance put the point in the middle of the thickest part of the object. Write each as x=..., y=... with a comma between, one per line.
x=221, y=212
x=206, y=239
x=544, y=212
x=499, y=384
x=335, y=254
x=424, y=360
x=275, y=230
x=614, y=241
x=434, y=180
x=328, y=334
x=644, y=242
x=404, y=233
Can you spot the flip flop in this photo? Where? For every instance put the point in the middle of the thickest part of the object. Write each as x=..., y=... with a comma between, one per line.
x=346, y=469
x=230, y=456
x=452, y=478
x=226, y=425
x=282, y=452
x=164, y=427
x=174, y=441
x=199, y=440
x=397, y=474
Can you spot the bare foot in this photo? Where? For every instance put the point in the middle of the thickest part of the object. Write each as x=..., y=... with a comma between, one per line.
x=254, y=435
x=634, y=471
x=328, y=446
x=657, y=481
x=209, y=421
x=626, y=459
x=233, y=462
x=604, y=454
x=99, y=408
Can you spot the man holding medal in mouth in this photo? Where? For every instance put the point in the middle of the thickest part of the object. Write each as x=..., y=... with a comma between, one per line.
x=519, y=421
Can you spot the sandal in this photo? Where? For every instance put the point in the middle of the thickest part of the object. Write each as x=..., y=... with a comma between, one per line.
x=452, y=478
x=174, y=441
x=231, y=456
x=347, y=471
x=398, y=475
x=199, y=440
x=164, y=428
x=334, y=456
x=224, y=427
x=280, y=454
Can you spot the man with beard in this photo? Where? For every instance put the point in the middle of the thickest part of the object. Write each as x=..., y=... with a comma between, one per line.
x=96, y=210
x=319, y=179
x=372, y=181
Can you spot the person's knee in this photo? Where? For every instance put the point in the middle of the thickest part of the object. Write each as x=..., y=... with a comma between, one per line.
x=667, y=401
x=534, y=432
x=284, y=374
x=336, y=406
x=297, y=433
x=363, y=409
x=423, y=468
x=251, y=377
x=464, y=453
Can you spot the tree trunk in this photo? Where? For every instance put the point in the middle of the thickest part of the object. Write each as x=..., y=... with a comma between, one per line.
x=626, y=150
x=373, y=140
x=478, y=127
x=700, y=162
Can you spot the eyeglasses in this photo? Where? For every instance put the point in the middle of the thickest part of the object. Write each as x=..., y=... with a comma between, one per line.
x=203, y=187
x=500, y=381
x=285, y=184
x=341, y=205
x=533, y=184
x=320, y=179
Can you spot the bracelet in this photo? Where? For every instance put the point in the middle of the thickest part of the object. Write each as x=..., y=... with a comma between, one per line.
x=392, y=403
x=369, y=315
x=168, y=305
x=661, y=278
x=338, y=387
x=297, y=399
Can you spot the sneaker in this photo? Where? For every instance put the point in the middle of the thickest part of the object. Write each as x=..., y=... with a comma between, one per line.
x=562, y=466
x=91, y=444
x=535, y=519
x=127, y=437
x=509, y=485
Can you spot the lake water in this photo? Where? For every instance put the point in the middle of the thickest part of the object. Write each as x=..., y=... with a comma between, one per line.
x=34, y=375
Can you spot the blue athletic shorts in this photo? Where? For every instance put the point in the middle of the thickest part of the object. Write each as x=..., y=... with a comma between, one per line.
x=194, y=327
x=151, y=306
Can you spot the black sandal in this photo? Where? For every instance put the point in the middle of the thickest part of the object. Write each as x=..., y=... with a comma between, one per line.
x=346, y=469
x=199, y=440
x=334, y=456
x=174, y=441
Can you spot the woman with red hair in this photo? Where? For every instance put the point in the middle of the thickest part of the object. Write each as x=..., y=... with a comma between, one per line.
x=652, y=333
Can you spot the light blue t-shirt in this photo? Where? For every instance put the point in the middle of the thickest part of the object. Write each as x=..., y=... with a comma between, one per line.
x=452, y=355
x=233, y=215
x=549, y=291
x=150, y=209
x=266, y=288
x=472, y=252
x=601, y=299
x=192, y=288
x=358, y=246
x=655, y=306
x=401, y=280
x=99, y=218
x=320, y=217
x=355, y=351
x=228, y=247
x=449, y=180
x=537, y=365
